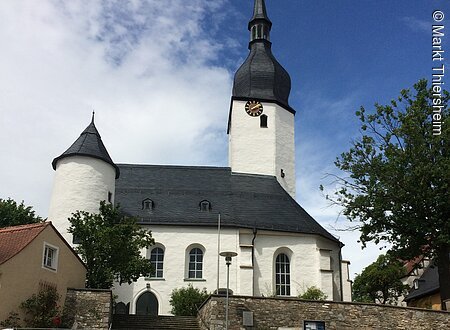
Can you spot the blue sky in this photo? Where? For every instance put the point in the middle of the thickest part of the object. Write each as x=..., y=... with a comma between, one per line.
x=159, y=76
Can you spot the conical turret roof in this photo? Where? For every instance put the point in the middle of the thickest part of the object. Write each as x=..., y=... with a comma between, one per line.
x=89, y=144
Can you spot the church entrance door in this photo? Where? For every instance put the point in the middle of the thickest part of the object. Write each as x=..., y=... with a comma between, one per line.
x=147, y=304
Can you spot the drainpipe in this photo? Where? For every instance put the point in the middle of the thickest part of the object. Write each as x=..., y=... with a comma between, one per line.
x=253, y=260
x=340, y=272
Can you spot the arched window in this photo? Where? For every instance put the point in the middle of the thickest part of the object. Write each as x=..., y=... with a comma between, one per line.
x=205, y=206
x=157, y=260
x=282, y=275
x=263, y=121
x=195, y=269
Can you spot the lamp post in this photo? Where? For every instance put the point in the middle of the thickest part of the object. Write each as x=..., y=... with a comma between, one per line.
x=228, y=256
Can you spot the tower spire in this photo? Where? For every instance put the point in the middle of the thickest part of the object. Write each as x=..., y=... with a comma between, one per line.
x=261, y=77
x=260, y=24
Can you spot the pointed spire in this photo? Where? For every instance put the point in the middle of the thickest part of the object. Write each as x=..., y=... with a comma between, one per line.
x=88, y=144
x=261, y=76
x=93, y=115
x=260, y=24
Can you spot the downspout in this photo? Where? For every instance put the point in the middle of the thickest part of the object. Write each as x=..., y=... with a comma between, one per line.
x=340, y=272
x=253, y=260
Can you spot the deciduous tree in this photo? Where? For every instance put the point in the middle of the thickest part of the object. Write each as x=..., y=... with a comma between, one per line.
x=110, y=244
x=380, y=282
x=13, y=214
x=397, y=187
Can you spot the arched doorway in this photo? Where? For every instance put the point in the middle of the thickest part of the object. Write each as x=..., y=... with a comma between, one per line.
x=147, y=304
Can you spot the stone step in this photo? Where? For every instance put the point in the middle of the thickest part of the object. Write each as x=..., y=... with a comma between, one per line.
x=141, y=322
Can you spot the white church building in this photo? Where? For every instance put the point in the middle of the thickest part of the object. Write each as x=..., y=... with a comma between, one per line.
x=281, y=250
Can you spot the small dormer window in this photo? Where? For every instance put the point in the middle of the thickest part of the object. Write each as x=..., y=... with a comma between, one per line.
x=416, y=284
x=147, y=204
x=205, y=206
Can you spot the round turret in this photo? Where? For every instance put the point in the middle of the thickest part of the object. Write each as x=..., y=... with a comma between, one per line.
x=84, y=176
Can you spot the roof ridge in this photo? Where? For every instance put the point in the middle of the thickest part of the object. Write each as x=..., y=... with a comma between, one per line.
x=24, y=227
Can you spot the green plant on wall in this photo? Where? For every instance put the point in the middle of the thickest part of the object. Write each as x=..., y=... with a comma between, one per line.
x=41, y=309
x=12, y=321
x=313, y=293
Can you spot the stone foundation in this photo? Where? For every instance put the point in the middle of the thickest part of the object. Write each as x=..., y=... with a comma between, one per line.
x=290, y=313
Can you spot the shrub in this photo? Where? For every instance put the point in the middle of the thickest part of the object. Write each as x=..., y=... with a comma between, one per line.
x=41, y=309
x=12, y=321
x=186, y=301
x=313, y=293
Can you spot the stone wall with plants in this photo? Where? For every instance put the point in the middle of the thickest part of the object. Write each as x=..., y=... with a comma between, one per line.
x=291, y=313
x=88, y=308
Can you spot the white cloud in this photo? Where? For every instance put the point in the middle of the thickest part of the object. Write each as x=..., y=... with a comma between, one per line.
x=417, y=25
x=144, y=66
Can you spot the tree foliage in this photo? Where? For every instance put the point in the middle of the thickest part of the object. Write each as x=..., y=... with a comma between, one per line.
x=41, y=309
x=13, y=214
x=186, y=301
x=398, y=178
x=380, y=282
x=313, y=293
x=110, y=244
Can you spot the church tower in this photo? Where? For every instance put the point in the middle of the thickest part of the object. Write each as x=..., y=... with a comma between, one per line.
x=85, y=175
x=261, y=122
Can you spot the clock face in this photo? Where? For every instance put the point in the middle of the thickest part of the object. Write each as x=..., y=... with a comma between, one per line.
x=254, y=108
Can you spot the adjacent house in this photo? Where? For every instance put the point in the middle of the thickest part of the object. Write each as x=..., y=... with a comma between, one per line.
x=425, y=291
x=34, y=257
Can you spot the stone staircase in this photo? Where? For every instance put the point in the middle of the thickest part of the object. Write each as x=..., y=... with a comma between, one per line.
x=144, y=322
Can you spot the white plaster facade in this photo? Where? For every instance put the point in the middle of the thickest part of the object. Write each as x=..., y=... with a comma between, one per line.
x=80, y=183
x=252, y=276
x=263, y=150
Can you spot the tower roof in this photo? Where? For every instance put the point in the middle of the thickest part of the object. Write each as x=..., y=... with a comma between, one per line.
x=89, y=144
x=259, y=13
x=261, y=76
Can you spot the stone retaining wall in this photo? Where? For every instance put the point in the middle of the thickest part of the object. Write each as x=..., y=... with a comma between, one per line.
x=88, y=308
x=290, y=313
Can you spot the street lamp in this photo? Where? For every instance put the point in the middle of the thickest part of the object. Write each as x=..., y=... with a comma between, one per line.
x=228, y=256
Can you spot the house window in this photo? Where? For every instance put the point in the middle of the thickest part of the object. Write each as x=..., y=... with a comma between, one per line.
x=195, y=269
x=109, y=197
x=157, y=260
x=282, y=275
x=263, y=121
x=205, y=206
x=50, y=258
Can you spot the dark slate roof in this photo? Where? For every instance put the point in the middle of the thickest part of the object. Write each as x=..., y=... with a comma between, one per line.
x=261, y=76
x=88, y=144
x=428, y=283
x=243, y=200
x=259, y=13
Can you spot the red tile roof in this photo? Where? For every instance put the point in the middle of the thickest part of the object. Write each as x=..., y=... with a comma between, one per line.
x=15, y=239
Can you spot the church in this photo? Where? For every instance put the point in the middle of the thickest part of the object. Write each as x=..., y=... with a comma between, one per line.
x=196, y=212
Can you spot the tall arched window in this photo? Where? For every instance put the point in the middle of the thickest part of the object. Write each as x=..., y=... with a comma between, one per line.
x=282, y=275
x=157, y=260
x=195, y=269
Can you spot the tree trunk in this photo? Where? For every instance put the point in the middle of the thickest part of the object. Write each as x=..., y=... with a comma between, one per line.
x=443, y=263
